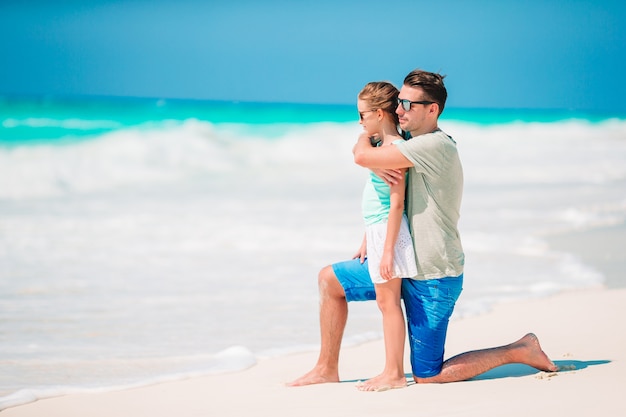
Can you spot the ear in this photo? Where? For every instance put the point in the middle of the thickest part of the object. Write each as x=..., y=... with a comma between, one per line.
x=380, y=114
x=434, y=109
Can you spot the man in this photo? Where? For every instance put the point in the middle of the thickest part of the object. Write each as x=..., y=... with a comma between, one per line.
x=434, y=191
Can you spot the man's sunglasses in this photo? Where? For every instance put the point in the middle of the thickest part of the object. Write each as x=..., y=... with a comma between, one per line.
x=406, y=104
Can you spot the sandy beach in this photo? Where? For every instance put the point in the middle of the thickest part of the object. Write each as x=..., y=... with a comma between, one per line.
x=577, y=330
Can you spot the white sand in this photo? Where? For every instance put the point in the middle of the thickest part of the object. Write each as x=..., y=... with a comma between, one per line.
x=581, y=329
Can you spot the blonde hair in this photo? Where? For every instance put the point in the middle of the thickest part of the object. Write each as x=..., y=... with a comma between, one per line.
x=381, y=95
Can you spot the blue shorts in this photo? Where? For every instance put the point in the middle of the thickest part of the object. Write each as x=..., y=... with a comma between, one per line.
x=428, y=304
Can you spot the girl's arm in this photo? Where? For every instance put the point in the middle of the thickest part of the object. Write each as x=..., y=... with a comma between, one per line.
x=396, y=210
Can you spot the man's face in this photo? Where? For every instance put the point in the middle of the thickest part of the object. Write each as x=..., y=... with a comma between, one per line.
x=416, y=119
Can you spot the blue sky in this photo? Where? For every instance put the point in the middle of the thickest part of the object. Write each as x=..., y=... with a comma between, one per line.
x=511, y=54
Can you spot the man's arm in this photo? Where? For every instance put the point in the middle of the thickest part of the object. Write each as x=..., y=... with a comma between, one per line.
x=367, y=156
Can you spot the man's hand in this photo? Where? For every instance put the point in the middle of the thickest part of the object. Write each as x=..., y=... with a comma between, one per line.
x=362, y=141
x=390, y=176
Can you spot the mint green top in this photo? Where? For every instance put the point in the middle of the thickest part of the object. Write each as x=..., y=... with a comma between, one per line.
x=376, y=199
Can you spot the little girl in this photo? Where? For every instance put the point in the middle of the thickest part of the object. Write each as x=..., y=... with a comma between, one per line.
x=387, y=243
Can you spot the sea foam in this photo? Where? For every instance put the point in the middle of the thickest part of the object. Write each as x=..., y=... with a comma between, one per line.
x=154, y=247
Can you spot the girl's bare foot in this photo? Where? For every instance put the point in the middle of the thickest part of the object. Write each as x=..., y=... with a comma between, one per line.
x=382, y=382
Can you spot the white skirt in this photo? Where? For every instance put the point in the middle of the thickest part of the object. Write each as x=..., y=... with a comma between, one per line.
x=404, y=265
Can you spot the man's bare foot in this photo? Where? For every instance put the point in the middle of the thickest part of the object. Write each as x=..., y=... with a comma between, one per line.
x=382, y=382
x=314, y=376
x=528, y=350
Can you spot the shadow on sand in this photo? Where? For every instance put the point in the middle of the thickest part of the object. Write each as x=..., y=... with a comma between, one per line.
x=516, y=370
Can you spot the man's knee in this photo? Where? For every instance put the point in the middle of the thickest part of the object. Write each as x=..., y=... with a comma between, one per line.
x=429, y=380
x=328, y=283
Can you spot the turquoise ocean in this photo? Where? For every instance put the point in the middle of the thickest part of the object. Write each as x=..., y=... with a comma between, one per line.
x=144, y=240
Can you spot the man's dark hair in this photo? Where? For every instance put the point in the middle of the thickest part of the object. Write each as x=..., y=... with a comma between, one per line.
x=432, y=85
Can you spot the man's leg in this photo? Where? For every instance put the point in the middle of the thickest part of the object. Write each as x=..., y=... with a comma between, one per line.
x=526, y=350
x=338, y=284
x=333, y=317
x=429, y=305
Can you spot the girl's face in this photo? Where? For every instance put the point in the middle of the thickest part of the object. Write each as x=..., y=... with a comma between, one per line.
x=368, y=117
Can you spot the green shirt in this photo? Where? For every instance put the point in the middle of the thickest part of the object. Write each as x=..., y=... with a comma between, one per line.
x=433, y=203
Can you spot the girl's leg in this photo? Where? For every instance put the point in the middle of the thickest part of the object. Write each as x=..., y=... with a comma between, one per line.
x=388, y=300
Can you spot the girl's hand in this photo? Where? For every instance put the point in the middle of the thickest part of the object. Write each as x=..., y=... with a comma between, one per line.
x=362, y=252
x=386, y=266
